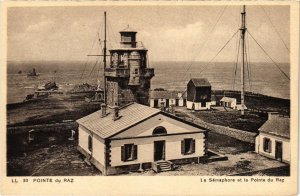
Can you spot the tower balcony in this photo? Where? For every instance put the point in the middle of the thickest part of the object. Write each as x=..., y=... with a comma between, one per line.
x=117, y=72
x=149, y=72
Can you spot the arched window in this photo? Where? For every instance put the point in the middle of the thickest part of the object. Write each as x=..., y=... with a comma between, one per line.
x=159, y=131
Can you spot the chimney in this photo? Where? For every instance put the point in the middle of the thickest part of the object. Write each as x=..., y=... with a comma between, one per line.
x=116, y=115
x=103, y=110
x=162, y=106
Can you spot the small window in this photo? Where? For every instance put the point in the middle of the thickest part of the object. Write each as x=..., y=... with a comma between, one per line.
x=159, y=130
x=188, y=146
x=136, y=71
x=267, y=145
x=90, y=143
x=129, y=152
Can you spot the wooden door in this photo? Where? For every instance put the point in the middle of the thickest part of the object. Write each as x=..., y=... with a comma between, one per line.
x=159, y=150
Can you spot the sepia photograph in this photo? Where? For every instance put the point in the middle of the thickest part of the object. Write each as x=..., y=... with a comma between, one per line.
x=149, y=90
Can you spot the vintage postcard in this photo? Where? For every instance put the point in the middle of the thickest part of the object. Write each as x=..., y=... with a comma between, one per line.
x=149, y=98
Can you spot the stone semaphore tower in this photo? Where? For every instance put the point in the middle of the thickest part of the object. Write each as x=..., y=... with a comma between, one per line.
x=127, y=76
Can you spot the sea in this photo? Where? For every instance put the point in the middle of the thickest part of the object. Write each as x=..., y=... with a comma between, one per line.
x=262, y=78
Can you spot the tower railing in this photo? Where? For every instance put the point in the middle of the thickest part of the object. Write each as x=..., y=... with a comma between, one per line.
x=117, y=72
x=116, y=45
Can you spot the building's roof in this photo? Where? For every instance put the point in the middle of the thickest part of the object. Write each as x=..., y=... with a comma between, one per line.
x=106, y=126
x=200, y=82
x=128, y=29
x=228, y=99
x=279, y=126
x=167, y=94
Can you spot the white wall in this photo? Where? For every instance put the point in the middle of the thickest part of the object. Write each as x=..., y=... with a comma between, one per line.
x=146, y=148
x=189, y=105
x=180, y=102
x=99, y=150
x=98, y=146
x=286, y=154
x=160, y=100
x=83, y=139
x=152, y=103
x=172, y=101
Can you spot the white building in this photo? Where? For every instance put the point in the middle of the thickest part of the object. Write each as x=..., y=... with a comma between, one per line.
x=230, y=102
x=273, y=140
x=137, y=137
x=176, y=98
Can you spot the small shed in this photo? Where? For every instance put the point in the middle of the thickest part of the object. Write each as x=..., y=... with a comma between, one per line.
x=198, y=94
x=273, y=140
x=228, y=102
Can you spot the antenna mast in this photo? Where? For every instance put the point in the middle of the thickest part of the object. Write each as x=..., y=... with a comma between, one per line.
x=243, y=30
x=104, y=59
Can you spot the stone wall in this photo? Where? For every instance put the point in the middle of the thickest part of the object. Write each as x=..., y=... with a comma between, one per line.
x=43, y=135
x=231, y=132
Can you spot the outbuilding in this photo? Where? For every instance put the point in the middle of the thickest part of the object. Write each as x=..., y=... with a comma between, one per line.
x=228, y=102
x=273, y=140
x=176, y=98
x=198, y=94
x=137, y=137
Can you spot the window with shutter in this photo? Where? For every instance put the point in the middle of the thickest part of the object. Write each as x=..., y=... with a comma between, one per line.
x=135, y=152
x=193, y=146
x=123, y=153
x=182, y=147
x=188, y=146
x=128, y=152
x=267, y=145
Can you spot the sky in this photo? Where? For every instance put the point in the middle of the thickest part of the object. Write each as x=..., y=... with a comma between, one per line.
x=170, y=33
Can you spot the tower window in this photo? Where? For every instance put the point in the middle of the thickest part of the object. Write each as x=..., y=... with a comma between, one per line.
x=136, y=71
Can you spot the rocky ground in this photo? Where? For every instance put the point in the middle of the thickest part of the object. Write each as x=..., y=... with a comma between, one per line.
x=56, y=108
x=55, y=160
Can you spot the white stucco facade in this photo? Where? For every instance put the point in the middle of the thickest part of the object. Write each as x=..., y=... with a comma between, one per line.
x=97, y=145
x=146, y=148
x=259, y=146
x=197, y=106
x=171, y=101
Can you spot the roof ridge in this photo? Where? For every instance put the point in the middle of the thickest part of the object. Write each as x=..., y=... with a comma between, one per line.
x=126, y=105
